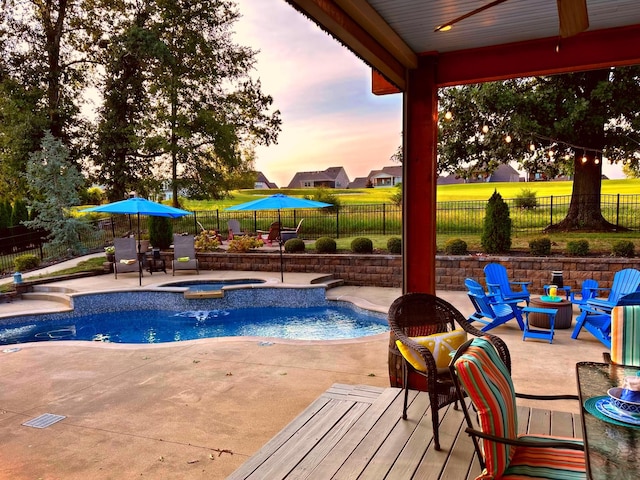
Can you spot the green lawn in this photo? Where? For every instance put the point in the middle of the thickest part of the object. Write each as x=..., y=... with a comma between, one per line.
x=471, y=191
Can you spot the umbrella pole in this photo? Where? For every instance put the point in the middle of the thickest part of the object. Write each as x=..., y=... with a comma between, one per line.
x=139, y=258
x=280, y=244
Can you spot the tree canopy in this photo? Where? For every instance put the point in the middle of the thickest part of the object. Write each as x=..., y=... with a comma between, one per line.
x=564, y=124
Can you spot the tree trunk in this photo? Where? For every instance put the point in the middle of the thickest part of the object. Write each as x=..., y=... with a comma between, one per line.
x=584, y=211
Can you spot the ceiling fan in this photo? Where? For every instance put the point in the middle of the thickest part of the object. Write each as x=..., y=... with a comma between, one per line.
x=572, y=15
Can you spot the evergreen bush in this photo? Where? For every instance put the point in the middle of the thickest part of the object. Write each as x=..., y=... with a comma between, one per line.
x=362, y=245
x=326, y=245
x=623, y=248
x=540, y=246
x=294, y=245
x=20, y=212
x=24, y=262
x=456, y=246
x=160, y=232
x=496, y=228
x=578, y=248
x=394, y=245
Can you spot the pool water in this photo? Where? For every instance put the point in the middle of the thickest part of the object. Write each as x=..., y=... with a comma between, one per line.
x=210, y=285
x=158, y=326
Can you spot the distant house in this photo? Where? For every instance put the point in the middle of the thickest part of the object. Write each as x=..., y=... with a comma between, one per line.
x=262, y=182
x=504, y=173
x=333, y=177
x=387, y=177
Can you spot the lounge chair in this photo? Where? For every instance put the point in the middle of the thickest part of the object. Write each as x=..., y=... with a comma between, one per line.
x=491, y=309
x=498, y=283
x=479, y=374
x=427, y=328
x=126, y=256
x=184, y=254
x=595, y=315
x=588, y=290
x=288, y=233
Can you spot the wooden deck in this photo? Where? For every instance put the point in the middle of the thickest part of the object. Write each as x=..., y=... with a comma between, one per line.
x=356, y=431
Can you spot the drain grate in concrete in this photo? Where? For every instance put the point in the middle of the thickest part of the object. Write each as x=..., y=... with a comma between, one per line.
x=43, y=421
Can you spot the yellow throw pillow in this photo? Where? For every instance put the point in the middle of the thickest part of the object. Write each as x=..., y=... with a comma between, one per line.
x=441, y=346
x=183, y=259
x=128, y=261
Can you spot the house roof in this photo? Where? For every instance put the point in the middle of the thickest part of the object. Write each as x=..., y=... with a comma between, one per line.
x=514, y=38
x=504, y=173
x=330, y=175
x=359, y=182
x=261, y=178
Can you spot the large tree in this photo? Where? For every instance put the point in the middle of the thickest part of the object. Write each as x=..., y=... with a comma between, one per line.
x=558, y=124
x=206, y=108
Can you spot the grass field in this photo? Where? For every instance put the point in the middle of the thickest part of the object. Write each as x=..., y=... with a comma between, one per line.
x=469, y=191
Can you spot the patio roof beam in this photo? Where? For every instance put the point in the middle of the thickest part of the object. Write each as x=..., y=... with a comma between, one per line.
x=366, y=45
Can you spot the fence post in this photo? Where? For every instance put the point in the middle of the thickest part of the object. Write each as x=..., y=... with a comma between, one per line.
x=384, y=219
x=337, y=223
x=618, y=210
x=551, y=213
x=195, y=222
x=218, y=219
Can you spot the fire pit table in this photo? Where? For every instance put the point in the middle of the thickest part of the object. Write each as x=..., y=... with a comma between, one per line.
x=563, y=317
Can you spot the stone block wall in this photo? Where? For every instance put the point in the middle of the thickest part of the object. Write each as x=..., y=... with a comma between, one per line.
x=451, y=271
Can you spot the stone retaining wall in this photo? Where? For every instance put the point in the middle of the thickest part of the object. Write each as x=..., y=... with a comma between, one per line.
x=386, y=270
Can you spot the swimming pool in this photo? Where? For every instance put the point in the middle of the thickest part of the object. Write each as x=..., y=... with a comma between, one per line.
x=121, y=317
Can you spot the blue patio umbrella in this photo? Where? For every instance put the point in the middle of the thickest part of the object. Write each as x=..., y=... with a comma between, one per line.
x=139, y=206
x=279, y=202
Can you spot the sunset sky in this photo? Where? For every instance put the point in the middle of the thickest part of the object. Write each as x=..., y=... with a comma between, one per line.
x=323, y=91
x=330, y=117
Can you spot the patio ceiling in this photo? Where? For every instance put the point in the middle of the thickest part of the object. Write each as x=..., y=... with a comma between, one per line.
x=511, y=39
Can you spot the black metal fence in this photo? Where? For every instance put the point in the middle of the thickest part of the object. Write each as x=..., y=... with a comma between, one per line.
x=464, y=217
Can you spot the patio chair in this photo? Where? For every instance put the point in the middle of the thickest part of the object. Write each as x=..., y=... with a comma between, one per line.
x=478, y=373
x=595, y=315
x=498, y=283
x=233, y=227
x=184, y=254
x=126, y=256
x=588, y=290
x=425, y=329
x=625, y=335
x=288, y=233
x=491, y=310
x=272, y=235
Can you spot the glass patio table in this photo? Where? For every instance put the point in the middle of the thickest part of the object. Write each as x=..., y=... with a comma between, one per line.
x=612, y=448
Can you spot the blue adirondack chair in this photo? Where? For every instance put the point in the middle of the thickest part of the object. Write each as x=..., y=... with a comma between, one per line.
x=588, y=290
x=491, y=310
x=595, y=315
x=498, y=283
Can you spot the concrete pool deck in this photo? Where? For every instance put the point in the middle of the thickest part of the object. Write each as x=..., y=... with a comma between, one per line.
x=199, y=409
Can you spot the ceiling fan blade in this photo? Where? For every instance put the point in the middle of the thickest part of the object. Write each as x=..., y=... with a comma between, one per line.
x=573, y=17
x=447, y=25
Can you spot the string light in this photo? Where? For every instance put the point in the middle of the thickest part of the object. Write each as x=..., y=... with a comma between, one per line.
x=485, y=128
x=507, y=138
x=532, y=147
x=584, y=158
x=551, y=153
x=448, y=116
x=597, y=161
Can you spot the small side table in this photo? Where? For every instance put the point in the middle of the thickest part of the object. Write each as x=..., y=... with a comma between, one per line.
x=542, y=334
x=156, y=264
x=564, y=316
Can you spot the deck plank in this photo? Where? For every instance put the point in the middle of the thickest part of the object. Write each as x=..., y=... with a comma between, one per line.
x=355, y=431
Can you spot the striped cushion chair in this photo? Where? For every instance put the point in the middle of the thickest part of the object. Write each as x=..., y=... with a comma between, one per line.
x=478, y=370
x=625, y=335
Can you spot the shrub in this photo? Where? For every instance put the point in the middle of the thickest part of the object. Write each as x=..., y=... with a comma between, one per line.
x=207, y=241
x=326, y=245
x=540, y=246
x=394, y=245
x=362, y=245
x=526, y=199
x=496, y=228
x=578, y=248
x=323, y=194
x=623, y=248
x=455, y=246
x=294, y=245
x=160, y=232
x=26, y=262
x=244, y=244
x=396, y=198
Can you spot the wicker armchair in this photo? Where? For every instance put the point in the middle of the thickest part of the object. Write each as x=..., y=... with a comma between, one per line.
x=422, y=314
